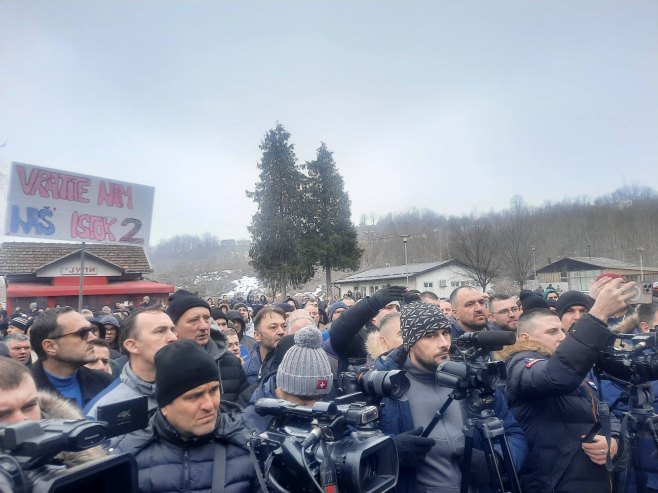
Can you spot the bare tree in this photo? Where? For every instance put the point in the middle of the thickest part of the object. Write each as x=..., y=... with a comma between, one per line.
x=516, y=241
x=477, y=247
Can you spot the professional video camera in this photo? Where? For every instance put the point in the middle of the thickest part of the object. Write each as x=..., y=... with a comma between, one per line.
x=469, y=366
x=473, y=378
x=634, y=367
x=28, y=449
x=311, y=449
x=635, y=364
x=360, y=381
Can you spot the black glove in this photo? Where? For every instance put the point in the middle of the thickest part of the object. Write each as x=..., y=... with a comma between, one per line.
x=412, y=448
x=384, y=296
x=479, y=469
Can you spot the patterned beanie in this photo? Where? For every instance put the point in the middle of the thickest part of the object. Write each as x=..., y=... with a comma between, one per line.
x=305, y=370
x=418, y=319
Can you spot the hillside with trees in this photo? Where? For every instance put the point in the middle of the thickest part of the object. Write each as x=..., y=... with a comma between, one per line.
x=613, y=225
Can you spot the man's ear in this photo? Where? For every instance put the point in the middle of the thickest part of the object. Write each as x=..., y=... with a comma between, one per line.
x=164, y=410
x=644, y=327
x=257, y=336
x=49, y=346
x=130, y=346
x=523, y=336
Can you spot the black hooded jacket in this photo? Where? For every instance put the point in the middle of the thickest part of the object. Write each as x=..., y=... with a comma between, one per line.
x=556, y=405
x=233, y=379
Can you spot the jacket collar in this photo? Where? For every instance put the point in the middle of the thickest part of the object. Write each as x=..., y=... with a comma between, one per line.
x=522, y=347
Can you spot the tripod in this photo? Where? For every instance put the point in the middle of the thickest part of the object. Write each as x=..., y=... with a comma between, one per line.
x=641, y=421
x=481, y=421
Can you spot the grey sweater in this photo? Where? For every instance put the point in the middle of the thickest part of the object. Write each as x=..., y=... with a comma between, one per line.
x=440, y=471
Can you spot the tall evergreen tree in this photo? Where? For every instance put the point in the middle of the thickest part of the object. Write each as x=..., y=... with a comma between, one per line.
x=276, y=229
x=332, y=237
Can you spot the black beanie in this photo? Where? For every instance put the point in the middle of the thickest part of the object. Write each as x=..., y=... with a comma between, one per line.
x=181, y=301
x=531, y=300
x=573, y=298
x=181, y=366
x=216, y=313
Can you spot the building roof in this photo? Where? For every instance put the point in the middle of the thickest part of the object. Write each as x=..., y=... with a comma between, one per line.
x=393, y=272
x=26, y=258
x=124, y=287
x=598, y=263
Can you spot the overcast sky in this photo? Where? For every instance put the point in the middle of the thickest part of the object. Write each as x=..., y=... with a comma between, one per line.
x=449, y=105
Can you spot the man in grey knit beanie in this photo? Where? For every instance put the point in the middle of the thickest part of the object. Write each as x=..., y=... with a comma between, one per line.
x=304, y=373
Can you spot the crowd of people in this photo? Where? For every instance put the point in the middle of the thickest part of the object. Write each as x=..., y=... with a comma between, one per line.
x=203, y=364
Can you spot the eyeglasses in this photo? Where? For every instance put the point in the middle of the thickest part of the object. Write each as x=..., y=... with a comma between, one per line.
x=507, y=311
x=82, y=334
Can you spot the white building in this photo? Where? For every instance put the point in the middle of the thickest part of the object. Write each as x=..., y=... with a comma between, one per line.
x=440, y=277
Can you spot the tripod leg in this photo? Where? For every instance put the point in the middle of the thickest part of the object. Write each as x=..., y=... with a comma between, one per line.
x=466, y=464
x=494, y=471
x=512, y=476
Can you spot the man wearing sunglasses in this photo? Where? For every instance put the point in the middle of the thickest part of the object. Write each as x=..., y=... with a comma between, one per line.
x=61, y=339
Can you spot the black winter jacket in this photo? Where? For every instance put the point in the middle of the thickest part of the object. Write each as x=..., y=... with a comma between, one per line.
x=92, y=382
x=348, y=334
x=555, y=405
x=166, y=463
x=233, y=379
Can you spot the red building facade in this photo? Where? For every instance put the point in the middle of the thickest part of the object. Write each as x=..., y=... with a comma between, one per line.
x=49, y=274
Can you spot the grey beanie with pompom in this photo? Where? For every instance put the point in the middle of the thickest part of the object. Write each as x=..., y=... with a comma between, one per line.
x=305, y=370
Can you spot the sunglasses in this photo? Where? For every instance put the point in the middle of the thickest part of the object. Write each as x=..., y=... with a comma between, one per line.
x=82, y=334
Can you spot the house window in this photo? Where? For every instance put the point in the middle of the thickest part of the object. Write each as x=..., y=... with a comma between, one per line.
x=443, y=283
x=428, y=284
x=454, y=284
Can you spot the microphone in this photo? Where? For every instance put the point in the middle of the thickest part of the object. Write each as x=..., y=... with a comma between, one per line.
x=488, y=338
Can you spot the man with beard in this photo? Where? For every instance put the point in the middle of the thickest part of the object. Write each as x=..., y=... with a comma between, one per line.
x=434, y=464
x=60, y=339
x=504, y=312
x=269, y=328
x=469, y=308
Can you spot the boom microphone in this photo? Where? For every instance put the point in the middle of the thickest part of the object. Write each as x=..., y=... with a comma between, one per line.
x=488, y=338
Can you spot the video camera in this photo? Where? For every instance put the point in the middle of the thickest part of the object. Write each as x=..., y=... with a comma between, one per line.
x=635, y=365
x=359, y=381
x=469, y=366
x=28, y=462
x=306, y=449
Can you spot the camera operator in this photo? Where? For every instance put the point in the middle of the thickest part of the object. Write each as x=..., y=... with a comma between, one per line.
x=193, y=445
x=20, y=401
x=547, y=391
x=303, y=377
x=433, y=464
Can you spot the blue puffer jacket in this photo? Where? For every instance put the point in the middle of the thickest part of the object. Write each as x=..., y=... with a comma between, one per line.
x=167, y=463
x=396, y=418
x=555, y=404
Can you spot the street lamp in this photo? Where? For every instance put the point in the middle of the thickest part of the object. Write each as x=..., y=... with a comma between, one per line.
x=405, y=238
x=640, y=250
x=534, y=260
